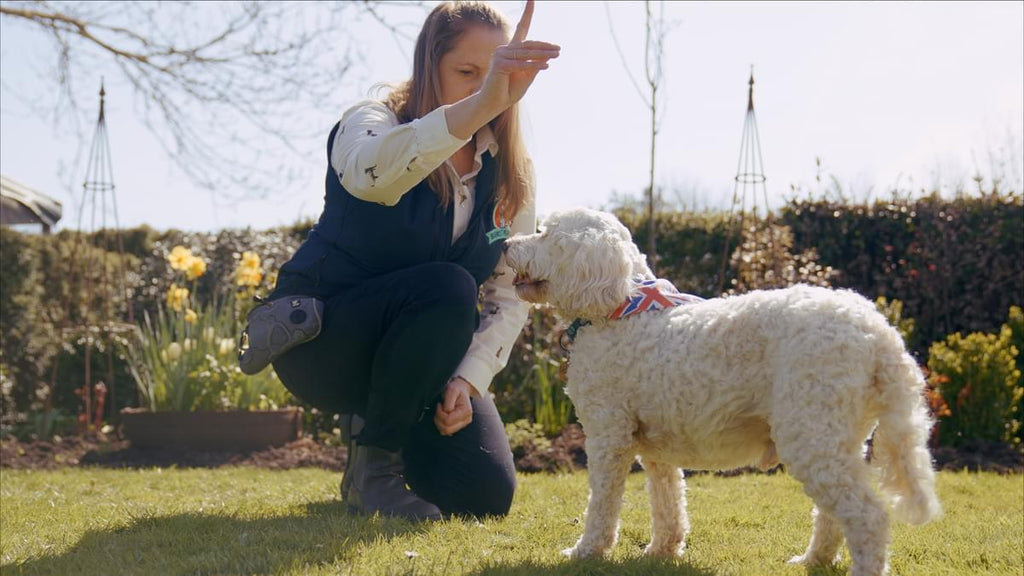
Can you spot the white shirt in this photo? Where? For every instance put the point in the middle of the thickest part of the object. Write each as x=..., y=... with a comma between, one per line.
x=402, y=155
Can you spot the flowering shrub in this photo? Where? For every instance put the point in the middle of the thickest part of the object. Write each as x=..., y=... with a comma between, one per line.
x=980, y=388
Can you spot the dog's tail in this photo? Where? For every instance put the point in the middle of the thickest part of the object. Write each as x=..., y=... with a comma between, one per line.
x=900, y=445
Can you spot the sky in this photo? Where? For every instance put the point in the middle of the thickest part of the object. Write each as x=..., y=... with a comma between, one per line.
x=890, y=94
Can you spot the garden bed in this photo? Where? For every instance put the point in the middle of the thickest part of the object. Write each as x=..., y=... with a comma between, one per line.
x=565, y=453
x=114, y=453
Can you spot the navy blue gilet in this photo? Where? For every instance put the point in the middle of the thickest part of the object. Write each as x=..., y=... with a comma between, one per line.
x=356, y=240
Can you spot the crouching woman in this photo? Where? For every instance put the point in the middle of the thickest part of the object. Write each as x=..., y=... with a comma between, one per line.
x=422, y=189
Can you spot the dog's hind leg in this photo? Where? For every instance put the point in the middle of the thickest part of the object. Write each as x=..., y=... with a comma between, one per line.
x=838, y=480
x=826, y=539
x=669, y=522
x=608, y=464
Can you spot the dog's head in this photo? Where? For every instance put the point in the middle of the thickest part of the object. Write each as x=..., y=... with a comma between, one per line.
x=581, y=263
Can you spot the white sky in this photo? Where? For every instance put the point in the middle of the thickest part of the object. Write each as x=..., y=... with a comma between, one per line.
x=914, y=93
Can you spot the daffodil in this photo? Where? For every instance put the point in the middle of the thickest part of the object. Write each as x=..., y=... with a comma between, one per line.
x=248, y=276
x=195, y=268
x=179, y=258
x=176, y=298
x=250, y=260
x=191, y=316
x=189, y=344
x=209, y=333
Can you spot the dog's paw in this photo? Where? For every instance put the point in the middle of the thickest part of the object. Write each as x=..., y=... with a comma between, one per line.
x=577, y=552
x=665, y=550
x=810, y=561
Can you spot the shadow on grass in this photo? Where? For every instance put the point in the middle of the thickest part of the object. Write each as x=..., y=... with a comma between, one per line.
x=593, y=567
x=196, y=543
x=629, y=567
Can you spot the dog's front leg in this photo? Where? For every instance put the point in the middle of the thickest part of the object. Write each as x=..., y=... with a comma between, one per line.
x=669, y=522
x=608, y=465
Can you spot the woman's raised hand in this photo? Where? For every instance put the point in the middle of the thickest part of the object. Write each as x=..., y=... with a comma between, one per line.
x=515, y=65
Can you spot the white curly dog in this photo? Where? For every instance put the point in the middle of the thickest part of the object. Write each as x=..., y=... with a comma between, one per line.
x=800, y=376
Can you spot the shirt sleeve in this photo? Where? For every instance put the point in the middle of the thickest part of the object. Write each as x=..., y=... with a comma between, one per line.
x=502, y=315
x=379, y=160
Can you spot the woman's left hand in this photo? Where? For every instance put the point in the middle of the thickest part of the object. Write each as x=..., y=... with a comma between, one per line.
x=515, y=65
x=455, y=412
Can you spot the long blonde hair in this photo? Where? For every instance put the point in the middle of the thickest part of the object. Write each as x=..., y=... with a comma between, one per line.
x=421, y=95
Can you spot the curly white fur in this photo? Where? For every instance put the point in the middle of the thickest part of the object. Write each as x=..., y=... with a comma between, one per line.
x=801, y=375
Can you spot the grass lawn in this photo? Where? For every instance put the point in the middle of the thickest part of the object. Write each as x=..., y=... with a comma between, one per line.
x=252, y=521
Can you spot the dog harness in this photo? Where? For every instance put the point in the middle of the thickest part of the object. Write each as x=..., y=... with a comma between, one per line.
x=647, y=295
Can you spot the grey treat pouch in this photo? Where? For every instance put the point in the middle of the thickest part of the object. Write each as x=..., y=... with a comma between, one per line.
x=275, y=327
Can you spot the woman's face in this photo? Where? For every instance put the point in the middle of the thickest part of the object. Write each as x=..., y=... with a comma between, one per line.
x=465, y=66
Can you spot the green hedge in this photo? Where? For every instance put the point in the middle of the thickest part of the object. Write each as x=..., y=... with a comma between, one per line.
x=44, y=282
x=956, y=265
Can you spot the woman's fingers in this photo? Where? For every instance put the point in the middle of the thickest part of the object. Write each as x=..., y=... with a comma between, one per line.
x=521, y=52
x=450, y=422
x=508, y=65
x=524, y=23
x=447, y=428
x=451, y=394
x=537, y=45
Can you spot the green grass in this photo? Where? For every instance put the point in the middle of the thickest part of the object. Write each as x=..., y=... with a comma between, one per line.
x=249, y=521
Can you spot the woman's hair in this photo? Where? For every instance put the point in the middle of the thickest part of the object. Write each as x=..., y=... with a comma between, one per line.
x=421, y=95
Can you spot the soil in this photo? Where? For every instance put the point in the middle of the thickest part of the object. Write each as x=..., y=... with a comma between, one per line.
x=566, y=453
x=114, y=453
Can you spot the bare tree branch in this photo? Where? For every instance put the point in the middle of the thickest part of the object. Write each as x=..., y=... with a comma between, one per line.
x=655, y=32
x=622, y=57
x=224, y=87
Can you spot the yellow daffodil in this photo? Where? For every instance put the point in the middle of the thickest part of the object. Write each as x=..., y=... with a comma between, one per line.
x=176, y=298
x=250, y=260
x=191, y=316
x=248, y=276
x=179, y=258
x=195, y=268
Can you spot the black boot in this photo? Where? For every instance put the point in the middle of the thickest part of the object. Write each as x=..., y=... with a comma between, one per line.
x=373, y=482
x=345, y=425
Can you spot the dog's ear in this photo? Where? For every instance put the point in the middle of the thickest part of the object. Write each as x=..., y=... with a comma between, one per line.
x=617, y=282
x=638, y=262
x=603, y=267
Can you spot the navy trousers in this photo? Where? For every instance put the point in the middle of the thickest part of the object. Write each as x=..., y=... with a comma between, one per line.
x=385, y=351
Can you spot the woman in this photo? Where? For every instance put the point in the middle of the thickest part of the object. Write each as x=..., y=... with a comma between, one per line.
x=422, y=190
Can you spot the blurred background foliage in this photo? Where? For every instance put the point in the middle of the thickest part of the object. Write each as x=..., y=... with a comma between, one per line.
x=948, y=272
